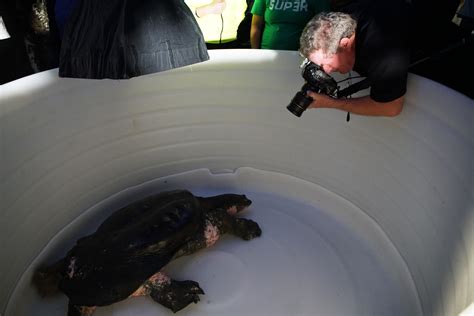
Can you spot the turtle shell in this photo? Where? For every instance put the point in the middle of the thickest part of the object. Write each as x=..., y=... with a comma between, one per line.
x=131, y=245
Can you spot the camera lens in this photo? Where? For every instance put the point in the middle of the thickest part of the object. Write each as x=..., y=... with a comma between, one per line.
x=299, y=103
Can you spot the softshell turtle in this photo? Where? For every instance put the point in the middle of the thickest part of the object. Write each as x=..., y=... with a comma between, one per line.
x=124, y=256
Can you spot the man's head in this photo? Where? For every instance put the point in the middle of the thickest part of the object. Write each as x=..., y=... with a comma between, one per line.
x=328, y=40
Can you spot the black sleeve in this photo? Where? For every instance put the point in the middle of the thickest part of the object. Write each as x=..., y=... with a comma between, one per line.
x=388, y=74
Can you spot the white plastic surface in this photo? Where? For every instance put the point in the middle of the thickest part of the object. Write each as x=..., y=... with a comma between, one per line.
x=370, y=217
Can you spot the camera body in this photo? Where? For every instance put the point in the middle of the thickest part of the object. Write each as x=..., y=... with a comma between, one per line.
x=316, y=80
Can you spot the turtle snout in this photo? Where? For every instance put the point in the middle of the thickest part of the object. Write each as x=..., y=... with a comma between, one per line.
x=245, y=202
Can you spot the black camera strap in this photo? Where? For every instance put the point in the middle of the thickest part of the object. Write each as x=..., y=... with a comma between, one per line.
x=353, y=88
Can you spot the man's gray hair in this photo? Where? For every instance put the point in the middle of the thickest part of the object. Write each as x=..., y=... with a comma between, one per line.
x=325, y=31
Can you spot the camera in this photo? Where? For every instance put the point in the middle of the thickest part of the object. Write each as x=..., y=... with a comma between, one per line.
x=316, y=80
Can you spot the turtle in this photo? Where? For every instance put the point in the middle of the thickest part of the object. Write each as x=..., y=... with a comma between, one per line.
x=124, y=257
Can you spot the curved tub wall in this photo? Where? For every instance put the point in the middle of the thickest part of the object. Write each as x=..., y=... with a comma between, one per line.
x=69, y=144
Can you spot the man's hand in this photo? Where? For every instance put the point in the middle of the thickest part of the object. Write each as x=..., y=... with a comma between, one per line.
x=215, y=7
x=218, y=6
x=319, y=100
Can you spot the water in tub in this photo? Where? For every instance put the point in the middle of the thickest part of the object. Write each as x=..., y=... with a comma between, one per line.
x=318, y=255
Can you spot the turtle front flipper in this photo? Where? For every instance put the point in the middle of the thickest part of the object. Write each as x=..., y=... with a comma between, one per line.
x=245, y=228
x=232, y=203
x=177, y=294
x=170, y=293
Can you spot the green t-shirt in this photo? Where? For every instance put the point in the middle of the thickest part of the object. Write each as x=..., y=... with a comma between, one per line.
x=285, y=20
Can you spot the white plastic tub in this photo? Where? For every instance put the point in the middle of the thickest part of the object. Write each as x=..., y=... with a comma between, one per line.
x=369, y=217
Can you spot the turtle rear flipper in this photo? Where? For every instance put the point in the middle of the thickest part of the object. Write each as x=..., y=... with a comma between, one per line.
x=177, y=294
x=75, y=310
x=46, y=279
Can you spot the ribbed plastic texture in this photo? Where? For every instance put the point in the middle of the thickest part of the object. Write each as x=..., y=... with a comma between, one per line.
x=369, y=217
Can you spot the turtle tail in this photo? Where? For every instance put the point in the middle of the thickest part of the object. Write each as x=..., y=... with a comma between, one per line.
x=46, y=279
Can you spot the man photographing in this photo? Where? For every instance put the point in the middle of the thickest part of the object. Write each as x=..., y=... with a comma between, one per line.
x=370, y=38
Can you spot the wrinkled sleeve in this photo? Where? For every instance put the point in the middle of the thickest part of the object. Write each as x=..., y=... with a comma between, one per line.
x=258, y=8
x=389, y=76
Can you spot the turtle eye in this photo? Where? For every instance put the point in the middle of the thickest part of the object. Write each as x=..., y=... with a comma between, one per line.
x=247, y=202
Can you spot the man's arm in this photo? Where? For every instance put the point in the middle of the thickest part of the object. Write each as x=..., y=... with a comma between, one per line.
x=256, y=31
x=362, y=105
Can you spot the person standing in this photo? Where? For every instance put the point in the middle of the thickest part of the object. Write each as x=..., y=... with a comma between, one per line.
x=277, y=24
x=219, y=21
x=120, y=39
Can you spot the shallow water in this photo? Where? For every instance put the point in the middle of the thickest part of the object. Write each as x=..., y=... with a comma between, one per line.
x=318, y=255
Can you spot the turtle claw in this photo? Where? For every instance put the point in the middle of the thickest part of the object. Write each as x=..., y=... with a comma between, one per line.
x=178, y=294
x=193, y=286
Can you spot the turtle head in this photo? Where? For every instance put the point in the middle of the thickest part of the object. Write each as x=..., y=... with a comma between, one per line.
x=232, y=203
